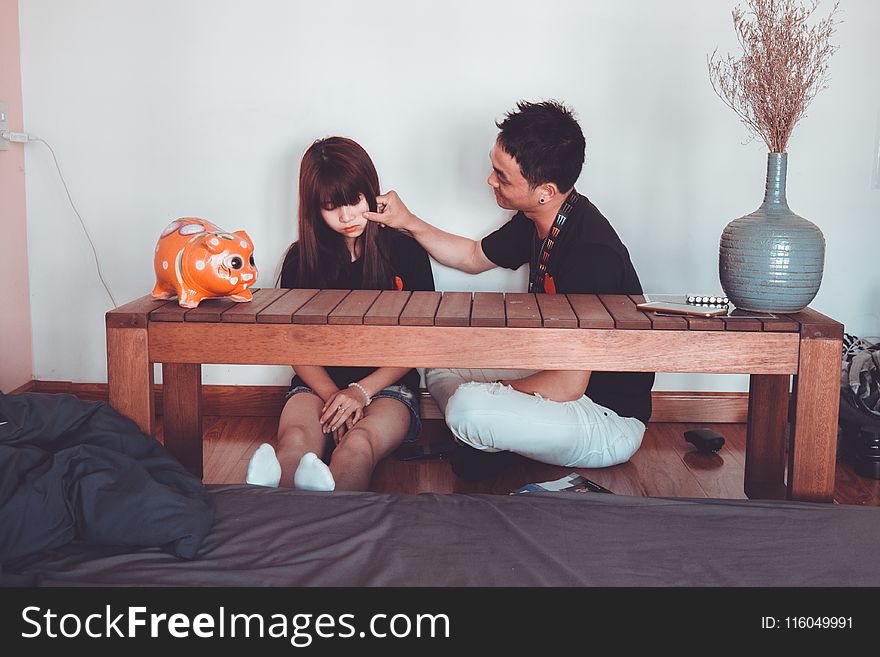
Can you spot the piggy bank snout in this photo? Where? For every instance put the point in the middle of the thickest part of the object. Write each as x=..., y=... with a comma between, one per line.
x=224, y=272
x=240, y=269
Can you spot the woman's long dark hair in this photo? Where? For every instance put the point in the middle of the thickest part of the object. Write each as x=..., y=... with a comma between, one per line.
x=334, y=172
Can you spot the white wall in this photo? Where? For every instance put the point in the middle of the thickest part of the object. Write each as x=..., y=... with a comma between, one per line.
x=164, y=108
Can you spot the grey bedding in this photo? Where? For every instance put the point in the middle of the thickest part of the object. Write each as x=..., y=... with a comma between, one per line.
x=271, y=537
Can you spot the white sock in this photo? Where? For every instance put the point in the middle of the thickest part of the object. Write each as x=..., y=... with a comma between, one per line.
x=264, y=468
x=313, y=474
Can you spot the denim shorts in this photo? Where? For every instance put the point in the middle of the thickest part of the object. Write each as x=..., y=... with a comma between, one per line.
x=401, y=393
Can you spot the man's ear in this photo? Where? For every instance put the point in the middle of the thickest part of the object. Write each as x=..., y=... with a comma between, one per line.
x=548, y=192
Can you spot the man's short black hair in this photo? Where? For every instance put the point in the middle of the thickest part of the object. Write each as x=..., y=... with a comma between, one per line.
x=546, y=141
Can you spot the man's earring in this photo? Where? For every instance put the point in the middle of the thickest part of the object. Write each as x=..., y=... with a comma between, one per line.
x=542, y=200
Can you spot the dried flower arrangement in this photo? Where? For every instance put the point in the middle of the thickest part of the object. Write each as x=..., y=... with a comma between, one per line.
x=783, y=66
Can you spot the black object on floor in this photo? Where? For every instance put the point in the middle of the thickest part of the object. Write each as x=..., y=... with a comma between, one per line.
x=472, y=464
x=860, y=435
x=417, y=451
x=593, y=487
x=705, y=440
x=867, y=458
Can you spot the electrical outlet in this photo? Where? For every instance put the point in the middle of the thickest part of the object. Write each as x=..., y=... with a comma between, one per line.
x=4, y=125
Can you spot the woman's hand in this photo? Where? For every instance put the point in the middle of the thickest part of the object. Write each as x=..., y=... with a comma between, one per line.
x=343, y=409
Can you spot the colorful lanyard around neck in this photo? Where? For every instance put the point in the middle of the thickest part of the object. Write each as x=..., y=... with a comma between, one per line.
x=538, y=271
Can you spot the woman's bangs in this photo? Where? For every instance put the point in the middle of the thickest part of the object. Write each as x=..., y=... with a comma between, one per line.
x=339, y=188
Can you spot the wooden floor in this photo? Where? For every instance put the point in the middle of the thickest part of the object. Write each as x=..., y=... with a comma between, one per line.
x=665, y=465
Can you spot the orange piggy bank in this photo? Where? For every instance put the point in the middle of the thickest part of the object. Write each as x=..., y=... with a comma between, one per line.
x=196, y=260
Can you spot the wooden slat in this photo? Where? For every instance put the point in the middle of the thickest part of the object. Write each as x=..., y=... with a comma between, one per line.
x=488, y=309
x=210, y=310
x=522, y=310
x=590, y=311
x=420, y=309
x=668, y=322
x=317, y=309
x=782, y=324
x=487, y=348
x=386, y=311
x=353, y=307
x=133, y=314
x=816, y=325
x=742, y=324
x=246, y=313
x=624, y=312
x=556, y=312
x=281, y=310
x=705, y=323
x=454, y=309
x=170, y=311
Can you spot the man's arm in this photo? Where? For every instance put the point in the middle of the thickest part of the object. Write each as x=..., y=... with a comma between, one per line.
x=556, y=385
x=448, y=249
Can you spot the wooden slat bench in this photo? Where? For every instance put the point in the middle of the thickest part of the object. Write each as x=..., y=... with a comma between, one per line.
x=492, y=330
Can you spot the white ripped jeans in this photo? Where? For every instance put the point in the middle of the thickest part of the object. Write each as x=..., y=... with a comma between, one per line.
x=493, y=417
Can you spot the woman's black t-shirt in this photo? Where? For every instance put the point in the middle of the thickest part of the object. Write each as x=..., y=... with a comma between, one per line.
x=409, y=262
x=588, y=258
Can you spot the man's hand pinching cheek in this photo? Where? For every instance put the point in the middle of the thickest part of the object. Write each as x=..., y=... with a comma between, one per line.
x=374, y=217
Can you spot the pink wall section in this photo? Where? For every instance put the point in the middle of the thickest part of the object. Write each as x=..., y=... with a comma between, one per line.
x=16, y=354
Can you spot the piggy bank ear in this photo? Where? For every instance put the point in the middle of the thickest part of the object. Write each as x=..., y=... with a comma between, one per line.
x=214, y=244
x=244, y=237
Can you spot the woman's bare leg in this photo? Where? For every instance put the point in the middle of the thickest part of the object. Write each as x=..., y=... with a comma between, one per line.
x=299, y=431
x=374, y=437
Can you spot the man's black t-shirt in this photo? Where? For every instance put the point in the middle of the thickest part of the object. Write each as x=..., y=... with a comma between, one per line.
x=587, y=258
x=409, y=262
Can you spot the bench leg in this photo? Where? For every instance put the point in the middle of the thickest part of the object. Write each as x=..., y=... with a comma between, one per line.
x=766, y=436
x=182, y=413
x=813, y=454
x=130, y=376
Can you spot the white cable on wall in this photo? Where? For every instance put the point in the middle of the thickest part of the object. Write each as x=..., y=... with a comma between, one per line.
x=24, y=137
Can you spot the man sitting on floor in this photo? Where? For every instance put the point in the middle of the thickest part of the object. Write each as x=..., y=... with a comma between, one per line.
x=572, y=418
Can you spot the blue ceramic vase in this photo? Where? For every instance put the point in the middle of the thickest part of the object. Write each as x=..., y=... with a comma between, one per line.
x=772, y=259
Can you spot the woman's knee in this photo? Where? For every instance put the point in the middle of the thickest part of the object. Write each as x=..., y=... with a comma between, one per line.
x=292, y=436
x=357, y=443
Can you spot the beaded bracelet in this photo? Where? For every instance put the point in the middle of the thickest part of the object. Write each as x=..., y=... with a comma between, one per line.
x=363, y=390
x=720, y=300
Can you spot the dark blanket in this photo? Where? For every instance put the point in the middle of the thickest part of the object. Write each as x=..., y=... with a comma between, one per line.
x=283, y=537
x=71, y=469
